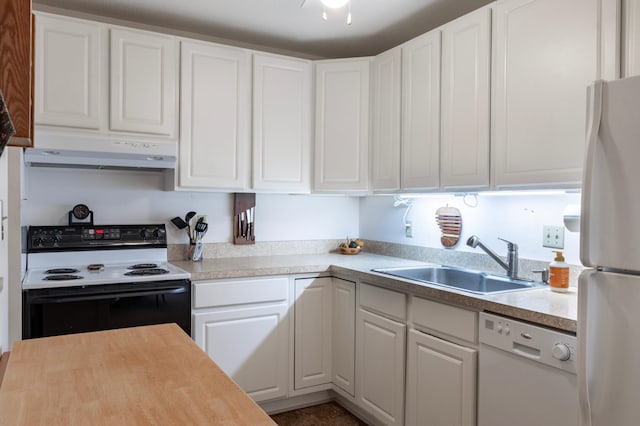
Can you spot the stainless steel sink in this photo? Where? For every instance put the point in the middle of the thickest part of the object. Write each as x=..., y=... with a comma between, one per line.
x=461, y=279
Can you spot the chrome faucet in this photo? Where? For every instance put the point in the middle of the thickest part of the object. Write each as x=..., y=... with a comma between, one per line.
x=511, y=266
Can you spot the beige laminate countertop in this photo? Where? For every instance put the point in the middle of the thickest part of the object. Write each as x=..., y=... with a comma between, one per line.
x=540, y=306
x=130, y=376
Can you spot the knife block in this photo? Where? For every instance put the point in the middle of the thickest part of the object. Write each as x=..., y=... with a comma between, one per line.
x=244, y=204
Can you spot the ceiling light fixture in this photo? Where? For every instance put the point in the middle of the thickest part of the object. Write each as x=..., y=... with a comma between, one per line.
x=334, y=4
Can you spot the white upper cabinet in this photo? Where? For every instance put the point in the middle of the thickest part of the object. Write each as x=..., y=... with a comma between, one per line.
x=69, y=72
x=631, y=38
x=385, y=120
x=105, y=79
x=215, y=105
x=342, y=125
x=143, y=82
x=281, y=123
x=465, y=103
x=420, y=162
x=547, y=52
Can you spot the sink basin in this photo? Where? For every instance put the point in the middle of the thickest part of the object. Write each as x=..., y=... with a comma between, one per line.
x=461, y=279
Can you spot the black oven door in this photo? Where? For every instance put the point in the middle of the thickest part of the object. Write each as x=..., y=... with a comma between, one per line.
x=66, y=310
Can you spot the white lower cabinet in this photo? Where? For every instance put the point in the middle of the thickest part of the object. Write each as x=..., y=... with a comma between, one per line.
x=324, y=323
x=441, y=365
x=380, y=354
x=440, y=382
x=313, y=331
x=344, y=335
x=242, y=325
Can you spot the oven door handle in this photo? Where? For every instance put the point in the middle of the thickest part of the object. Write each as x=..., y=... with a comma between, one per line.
x=81, y=298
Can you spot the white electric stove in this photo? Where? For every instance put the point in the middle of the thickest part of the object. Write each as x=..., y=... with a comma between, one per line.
x=88, y=278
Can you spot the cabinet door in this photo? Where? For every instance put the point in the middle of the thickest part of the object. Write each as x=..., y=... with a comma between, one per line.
x=250, y=344
x=465, y=103
x=16, y=73
x=69, y=72
x=385, y=138
x=421, y=112
x=631, y=38
x=281, y=124
x=214, y=117
x=313, y=319
x=441, y=382
x=344, y=333
x=143, y=82
x=342, y=125
x=380, y=367
x=546, y=55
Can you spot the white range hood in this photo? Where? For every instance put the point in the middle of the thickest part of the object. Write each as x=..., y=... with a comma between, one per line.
x=56, y=149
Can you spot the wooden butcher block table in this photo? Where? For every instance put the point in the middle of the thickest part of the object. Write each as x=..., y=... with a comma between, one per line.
x=153, y=375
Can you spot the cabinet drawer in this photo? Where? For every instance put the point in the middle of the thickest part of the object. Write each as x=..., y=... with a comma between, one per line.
x=384, y=301
x=235, y=292
x=448, y=319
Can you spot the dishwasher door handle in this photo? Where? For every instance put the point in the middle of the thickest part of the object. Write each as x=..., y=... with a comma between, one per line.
x=526, y=351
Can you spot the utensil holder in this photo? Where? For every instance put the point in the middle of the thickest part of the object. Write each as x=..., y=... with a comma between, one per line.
x=244, y=206
x=195, y=251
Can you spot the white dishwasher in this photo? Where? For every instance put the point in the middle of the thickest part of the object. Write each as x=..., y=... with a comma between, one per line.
x=527, y=375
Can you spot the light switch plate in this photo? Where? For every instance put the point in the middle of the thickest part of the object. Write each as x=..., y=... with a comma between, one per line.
x=553, y=236
x=408, y=229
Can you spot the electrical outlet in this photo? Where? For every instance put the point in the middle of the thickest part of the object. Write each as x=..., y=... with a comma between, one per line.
x=408, y=229
x=553, y=236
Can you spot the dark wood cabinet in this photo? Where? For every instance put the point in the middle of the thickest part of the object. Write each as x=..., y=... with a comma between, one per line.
x=16, y=67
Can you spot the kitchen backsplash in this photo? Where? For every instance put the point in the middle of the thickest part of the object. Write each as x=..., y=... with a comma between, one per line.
x=476, y=261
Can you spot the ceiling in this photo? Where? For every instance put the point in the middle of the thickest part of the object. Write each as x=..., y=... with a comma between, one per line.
x=283, y=25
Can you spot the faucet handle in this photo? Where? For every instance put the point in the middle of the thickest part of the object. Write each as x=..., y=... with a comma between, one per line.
x=510, y=245
x=544, y=274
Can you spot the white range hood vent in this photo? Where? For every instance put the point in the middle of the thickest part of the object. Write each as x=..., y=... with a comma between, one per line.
x=56, y=149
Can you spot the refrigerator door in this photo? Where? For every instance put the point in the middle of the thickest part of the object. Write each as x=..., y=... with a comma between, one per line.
x=609, y=348
x=610, y=228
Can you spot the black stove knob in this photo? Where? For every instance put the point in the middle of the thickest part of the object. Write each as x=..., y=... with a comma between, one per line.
x=145, y=234
x=158, y=233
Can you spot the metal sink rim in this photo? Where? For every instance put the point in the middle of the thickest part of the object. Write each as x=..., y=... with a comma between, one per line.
x=519, y=284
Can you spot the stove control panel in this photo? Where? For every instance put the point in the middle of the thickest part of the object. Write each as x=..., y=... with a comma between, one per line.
x=58, y=238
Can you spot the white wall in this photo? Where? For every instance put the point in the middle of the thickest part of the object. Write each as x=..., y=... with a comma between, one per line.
x=130, y=197
x=518, y=218
x=121, y=197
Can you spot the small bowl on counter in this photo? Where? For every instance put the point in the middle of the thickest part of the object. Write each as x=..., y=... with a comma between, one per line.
x=350, y=246
x=349, y=250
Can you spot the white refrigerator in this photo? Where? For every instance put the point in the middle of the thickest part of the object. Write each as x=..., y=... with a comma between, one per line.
x=609, y=294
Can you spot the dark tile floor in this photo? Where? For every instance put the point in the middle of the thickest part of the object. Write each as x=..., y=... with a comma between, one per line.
x=324, y=414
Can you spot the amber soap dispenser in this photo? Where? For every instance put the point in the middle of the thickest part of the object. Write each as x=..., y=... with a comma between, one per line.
x=559, y=273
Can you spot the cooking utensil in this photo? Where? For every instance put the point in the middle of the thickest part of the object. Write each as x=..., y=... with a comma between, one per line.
x=179, y=223
x=201, y=227
x=187, y=218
